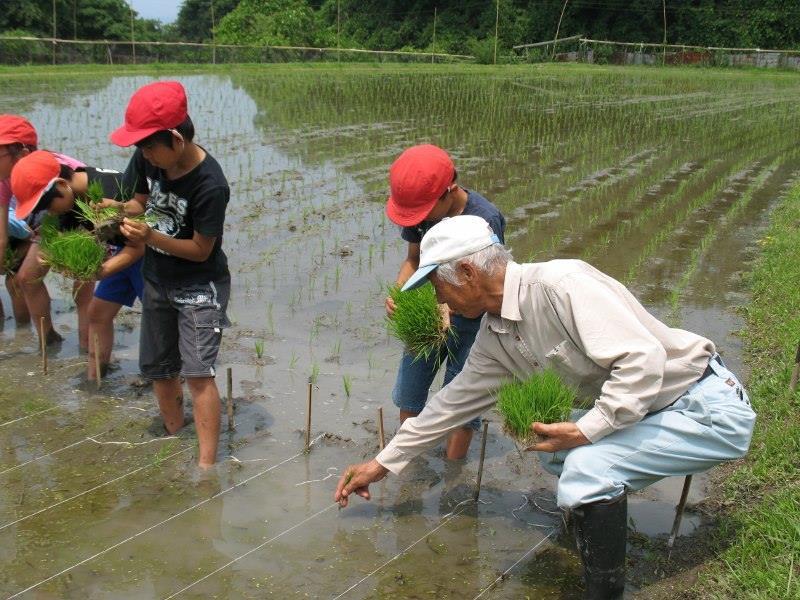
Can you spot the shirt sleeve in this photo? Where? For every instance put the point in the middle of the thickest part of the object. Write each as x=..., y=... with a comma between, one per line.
x=208, y=211
x=411, y=235
x=608, y=332
x=468, y=395
x=498, y=225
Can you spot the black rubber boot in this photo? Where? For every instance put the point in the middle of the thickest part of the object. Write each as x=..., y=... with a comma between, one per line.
x=601, y=532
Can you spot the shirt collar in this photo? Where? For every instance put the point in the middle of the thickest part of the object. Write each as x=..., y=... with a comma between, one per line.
x=510, y=308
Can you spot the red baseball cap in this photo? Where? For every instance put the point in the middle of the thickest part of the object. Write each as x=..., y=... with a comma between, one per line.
x=417, y=179
x=153, y=107
x=31, y=177
x=17, y=130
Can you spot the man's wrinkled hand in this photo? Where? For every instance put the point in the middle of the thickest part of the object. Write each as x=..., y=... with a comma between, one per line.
x=557, y=436
x=356, y=478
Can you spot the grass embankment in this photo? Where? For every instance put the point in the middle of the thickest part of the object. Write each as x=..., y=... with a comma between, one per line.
x=763, y=529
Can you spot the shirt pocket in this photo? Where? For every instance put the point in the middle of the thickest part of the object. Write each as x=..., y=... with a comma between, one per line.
x=573, y=364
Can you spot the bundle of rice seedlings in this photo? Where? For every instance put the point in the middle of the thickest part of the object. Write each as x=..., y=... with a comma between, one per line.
x=418, y=322
x=542, y=398
x=75, y=254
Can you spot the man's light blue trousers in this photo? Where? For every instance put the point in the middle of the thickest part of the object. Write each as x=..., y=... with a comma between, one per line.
x=711, y=423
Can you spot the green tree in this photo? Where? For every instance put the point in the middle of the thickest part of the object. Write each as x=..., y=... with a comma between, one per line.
x=269, y=22
x=194, y=18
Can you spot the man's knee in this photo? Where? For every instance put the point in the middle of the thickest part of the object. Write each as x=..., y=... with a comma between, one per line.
x=585, y=478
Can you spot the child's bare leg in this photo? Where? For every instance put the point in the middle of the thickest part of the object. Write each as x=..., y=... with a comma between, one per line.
x=205, y=399
x=18, y=305
x=83, y=292
x=101, y=323
x=169, y=394
x=31, y=280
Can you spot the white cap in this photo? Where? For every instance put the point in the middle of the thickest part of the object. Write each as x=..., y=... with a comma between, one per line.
x=450, y=239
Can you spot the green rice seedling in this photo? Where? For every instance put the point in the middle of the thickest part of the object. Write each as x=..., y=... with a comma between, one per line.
x=75, y=254
x=95, y=215
x=347, y=381
x=418, y=322
x=94, y=192
x=314, y=373
x=542, y=398
x=259, y=344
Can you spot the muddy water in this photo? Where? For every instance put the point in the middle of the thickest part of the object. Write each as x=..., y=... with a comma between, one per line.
x=627, y=169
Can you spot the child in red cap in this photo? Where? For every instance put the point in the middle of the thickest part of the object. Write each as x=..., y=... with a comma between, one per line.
x=423, y=192
x=41, y=184
x=184, y=193
x=18, y=138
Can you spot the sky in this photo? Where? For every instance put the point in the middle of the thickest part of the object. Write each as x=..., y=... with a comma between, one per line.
x=165, y=11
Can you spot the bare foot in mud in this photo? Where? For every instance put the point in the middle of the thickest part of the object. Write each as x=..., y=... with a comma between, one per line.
x=53, y=337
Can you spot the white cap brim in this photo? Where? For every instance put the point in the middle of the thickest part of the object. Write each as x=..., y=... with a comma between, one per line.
x=419, y=277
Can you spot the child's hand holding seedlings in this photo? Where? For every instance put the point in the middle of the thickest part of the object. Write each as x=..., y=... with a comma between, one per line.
x=390, y=306
x=136, y=231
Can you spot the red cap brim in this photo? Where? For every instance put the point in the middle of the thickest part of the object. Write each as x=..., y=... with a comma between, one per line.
x=128, y=137
x=24, y=208
x=405, y=217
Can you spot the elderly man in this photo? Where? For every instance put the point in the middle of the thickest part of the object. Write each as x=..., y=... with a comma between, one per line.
x=664, y=403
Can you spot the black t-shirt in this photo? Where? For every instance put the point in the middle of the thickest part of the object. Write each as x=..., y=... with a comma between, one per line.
x=179, y=207
x=476, y=205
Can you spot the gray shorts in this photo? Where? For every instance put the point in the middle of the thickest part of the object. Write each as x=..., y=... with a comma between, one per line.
x=182, y=329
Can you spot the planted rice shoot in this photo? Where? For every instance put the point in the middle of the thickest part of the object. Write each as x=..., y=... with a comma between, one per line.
x=75, y=254
x=418, y=322
x=542, y=398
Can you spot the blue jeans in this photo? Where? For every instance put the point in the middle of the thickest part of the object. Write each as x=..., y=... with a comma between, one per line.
x=415, y=376
x=710, y=423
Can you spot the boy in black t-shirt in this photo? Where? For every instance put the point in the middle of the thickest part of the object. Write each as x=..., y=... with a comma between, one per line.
x=41, y=184
x=183, y=192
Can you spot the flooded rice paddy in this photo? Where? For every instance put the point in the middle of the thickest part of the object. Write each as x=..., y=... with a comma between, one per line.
x=663, y=178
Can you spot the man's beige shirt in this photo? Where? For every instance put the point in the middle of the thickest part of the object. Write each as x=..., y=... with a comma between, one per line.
x=568, y=316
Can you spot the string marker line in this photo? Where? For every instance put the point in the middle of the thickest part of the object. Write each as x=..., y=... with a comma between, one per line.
x=167, y=520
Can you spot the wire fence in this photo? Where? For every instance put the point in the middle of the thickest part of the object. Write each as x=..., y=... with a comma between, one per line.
x=581, y=49
x=24, y=50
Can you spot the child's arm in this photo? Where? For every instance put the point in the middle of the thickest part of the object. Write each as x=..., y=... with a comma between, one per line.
x=196, y=249
x=120, y=261
x=3, y=236
x=410, y=264
x=131, y=208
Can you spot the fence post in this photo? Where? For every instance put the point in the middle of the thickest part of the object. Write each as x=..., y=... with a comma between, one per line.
x=54, y=32
x=133, y=36
x=338, y=30
x=496, y=24
x=213, y=37
x=433, y=43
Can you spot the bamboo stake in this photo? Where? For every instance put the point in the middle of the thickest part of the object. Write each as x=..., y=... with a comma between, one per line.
x=795, y=371
x=676, y=525
x=231, y=423
x=483, y=455
x=43, y=344
x=308, y=416
x=98, y=376
x=381, y=437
